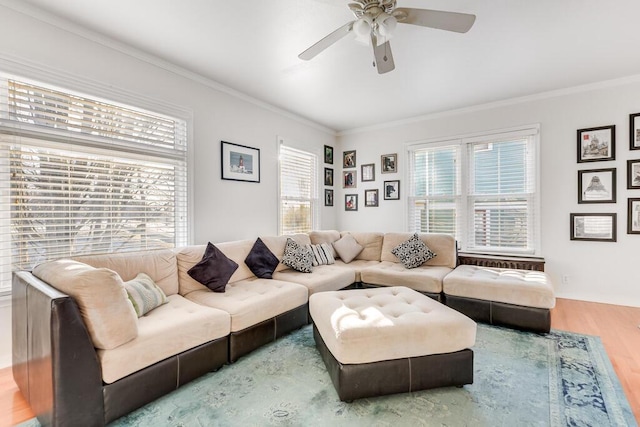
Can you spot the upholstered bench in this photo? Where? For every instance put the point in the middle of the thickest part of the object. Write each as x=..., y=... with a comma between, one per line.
x=391, y=340
x=500, y=296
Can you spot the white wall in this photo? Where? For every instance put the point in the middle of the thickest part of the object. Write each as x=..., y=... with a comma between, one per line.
x=598, y=271
x=223, y=210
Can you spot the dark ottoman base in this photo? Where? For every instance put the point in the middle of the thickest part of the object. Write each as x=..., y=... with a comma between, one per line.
x=396, y=376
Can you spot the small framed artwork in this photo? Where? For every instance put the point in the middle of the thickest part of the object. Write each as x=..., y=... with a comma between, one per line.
x=349, y=179
x=370, y=198
x=389, y=163
x=633, y=174
x=328, y=176
x=328, y=197
x=368, y=172
x=328, y=154
x=596, y=227
x=633, y=216
x=597, y=186
x=239, y=162
x=350, y=202
x=634, y=131
x=349, y=159
x=391, y=190
x=597, y=144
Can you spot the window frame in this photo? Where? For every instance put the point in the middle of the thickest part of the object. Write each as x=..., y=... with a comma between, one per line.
x=464, y=207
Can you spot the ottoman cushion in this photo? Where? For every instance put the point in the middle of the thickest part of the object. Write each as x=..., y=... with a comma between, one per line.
x=370, y=325
x=520, y=287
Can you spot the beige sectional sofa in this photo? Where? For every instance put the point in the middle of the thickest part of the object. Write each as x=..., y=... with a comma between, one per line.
x=59, y=314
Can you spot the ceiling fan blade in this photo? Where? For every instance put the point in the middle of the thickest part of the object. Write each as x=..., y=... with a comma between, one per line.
x=383, y=56
x=449, y=21
x=327, y=41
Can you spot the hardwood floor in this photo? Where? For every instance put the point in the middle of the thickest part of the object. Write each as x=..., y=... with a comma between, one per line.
x=617, y=326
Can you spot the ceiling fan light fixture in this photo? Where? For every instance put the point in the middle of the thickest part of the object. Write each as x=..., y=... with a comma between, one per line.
x=362, y=29
x=386, y=25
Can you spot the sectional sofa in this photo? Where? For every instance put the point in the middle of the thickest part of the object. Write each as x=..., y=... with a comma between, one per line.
x=81, y=356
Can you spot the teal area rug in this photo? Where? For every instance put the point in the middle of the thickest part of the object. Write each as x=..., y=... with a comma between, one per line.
x=521, y=379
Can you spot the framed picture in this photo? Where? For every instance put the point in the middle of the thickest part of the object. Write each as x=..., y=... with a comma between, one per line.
x=633, y=174
x=391, y=190
x=349, y=159
x=597, y=186
x=328, y=176
x=239, y=162
x=328, y=154
x=370, y=198
x=633, y=216
x=328, y=197
x=596, y=227
x=350, y=202
x=597, y=144
x=349, y=179
x=389, y=163
x=368, y=172
x=634, y=131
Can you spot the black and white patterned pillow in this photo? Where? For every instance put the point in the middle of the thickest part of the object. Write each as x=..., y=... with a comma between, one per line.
x=413, y=253
x=297, y=257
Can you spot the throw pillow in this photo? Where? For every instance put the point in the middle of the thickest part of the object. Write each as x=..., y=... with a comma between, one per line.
x=214, y=269
x=297, y=257
x=261, y=261
x=347, y=248
x=322, y=254
x=413, y=253
x=144, y=294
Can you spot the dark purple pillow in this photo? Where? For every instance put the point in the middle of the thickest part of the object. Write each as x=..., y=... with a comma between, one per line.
x=261, y=261
x=214, y=269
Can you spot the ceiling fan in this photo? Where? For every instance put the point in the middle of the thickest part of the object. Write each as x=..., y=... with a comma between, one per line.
x=376, y=20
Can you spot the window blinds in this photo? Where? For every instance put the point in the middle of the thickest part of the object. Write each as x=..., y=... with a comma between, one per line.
x=298, y=191
x=81, y=176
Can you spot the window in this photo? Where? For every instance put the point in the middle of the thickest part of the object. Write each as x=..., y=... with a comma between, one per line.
x=298, y=191
x=84, y=176
x=480, y=189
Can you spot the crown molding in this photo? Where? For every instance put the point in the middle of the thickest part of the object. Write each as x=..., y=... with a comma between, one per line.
x=66, y=25
x=496, y=104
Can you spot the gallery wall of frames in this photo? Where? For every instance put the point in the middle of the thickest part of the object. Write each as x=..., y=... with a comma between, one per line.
x=598, y=185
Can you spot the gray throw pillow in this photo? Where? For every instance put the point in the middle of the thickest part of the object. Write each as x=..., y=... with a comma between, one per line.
x=297, y=257
x=413, y=253
x=347, y=248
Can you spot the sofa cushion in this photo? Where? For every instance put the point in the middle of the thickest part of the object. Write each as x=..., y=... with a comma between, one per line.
x=347, y=248
x=322, y=254
x=519, y=287
x=214, y=269
x=323, y=278
x=298, y=257
x=251, y=301
x=101, y=298
x=413, y=252
x=144, y=294
x=261, y=261
x=370, y=241
x=424, y=278
x=356, y=266
x=166, y=331
x=442, y=244
x=324, y=236
x=160, y=265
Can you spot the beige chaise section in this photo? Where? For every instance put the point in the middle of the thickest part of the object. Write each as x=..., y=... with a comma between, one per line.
x=427, y=278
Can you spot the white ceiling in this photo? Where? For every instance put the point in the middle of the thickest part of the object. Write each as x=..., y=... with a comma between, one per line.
x=515, y=48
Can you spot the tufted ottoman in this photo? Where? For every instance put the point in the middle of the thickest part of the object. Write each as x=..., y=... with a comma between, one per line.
x=390, y=340
x=501, y=296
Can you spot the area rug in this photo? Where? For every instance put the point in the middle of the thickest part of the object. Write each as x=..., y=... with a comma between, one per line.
x=520, y=379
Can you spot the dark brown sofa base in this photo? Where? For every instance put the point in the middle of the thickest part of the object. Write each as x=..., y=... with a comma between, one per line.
x=396, y=376
x=502, y=314
x=432, y=295
x=249, y=339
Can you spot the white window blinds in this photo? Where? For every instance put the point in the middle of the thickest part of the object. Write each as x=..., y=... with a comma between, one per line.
x=482, y=190
x=298, y=191
x=82, y=176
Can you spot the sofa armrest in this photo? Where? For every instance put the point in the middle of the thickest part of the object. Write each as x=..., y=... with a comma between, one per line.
x=54, y=362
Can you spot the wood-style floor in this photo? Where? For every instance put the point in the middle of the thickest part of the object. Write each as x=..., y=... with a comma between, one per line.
x=618, y=327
